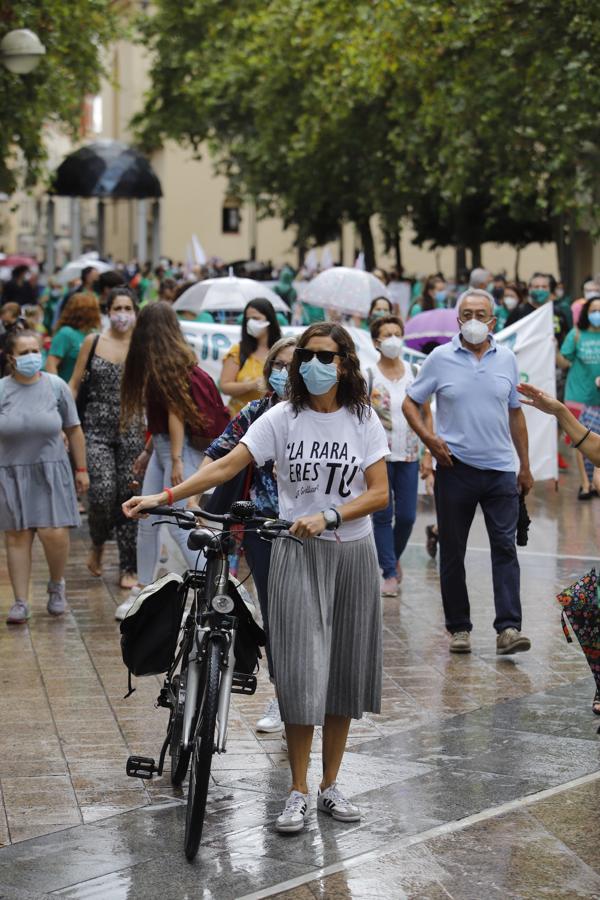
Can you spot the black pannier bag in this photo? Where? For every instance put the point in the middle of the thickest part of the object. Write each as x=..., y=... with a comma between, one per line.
x=250, y=637
x=150, y=630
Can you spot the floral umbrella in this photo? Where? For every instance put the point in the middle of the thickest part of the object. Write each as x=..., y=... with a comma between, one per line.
x=582, y=609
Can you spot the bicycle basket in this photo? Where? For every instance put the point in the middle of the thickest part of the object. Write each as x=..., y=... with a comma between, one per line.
x=250, y=637
x=150, y=629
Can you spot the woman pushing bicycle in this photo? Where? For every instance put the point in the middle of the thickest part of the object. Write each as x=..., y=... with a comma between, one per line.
x=324, y=602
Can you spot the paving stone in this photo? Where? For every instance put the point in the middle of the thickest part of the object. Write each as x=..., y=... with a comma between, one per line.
x=455, y=736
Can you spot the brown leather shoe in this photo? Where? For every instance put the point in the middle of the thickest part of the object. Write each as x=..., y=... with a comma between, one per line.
x=511, y=641
x=460, y=642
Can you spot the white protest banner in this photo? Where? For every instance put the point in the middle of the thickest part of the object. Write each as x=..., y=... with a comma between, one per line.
x=532, y=341
x=212, y=343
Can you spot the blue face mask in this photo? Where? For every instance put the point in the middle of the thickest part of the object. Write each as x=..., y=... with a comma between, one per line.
x=29, y=365
x=318, y=377
x=441, y=296
x=278, y=381
x=594, y=318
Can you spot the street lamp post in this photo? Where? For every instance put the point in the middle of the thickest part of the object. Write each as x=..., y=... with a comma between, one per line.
x=21, y=51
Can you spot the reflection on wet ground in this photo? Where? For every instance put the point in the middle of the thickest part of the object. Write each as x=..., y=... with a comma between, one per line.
x=480, y=778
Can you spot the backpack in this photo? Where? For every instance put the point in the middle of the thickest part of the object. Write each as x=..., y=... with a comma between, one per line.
x=212, y=410
x=55, y=381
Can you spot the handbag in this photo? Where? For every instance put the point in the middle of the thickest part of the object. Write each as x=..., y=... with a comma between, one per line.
x=83, y=393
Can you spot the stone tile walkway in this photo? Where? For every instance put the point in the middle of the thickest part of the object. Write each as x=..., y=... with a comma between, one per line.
x=445, y=774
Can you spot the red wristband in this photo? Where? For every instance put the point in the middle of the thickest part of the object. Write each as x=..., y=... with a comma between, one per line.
x=82, y=471
x=169, y=494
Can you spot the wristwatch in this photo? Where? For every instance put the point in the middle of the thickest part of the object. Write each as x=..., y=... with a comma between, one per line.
x=332, y=519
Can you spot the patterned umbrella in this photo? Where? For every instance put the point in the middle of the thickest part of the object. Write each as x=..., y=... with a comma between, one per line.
x=582, y=609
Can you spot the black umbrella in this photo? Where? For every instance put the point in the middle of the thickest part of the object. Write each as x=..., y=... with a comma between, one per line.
x=106, y=169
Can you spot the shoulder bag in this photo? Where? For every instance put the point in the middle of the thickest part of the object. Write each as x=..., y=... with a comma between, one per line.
x=83, y=393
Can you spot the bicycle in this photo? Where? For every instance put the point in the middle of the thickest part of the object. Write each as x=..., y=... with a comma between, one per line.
x=198, y=695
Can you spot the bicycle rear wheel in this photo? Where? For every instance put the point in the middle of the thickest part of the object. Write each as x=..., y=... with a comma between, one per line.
x=204, y=745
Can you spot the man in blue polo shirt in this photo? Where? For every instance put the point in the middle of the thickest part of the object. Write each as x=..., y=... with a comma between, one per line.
x=479, y=421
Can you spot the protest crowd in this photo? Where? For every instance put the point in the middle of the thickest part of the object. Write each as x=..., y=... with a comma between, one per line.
x=106, y=411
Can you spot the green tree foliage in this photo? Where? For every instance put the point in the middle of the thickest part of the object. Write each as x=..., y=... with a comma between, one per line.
x=74, y=33
x=480, y=117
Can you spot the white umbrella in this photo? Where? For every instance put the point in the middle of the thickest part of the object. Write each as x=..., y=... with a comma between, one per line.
x=347, y=290
x=231, y=294
x=72, y=270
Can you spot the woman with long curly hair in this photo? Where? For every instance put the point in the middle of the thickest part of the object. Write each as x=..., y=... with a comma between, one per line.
x=181, y=404
x=80, y=317
x=324, y=603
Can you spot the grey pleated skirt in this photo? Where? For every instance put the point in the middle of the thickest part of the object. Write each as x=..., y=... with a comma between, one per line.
x=325, y=629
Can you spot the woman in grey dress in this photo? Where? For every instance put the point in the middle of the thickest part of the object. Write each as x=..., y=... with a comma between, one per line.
x=37, y=493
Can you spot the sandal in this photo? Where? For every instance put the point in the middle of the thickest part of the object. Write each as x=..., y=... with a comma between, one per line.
x=596, y=703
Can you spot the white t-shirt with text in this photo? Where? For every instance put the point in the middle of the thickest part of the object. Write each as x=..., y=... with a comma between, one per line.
x=321, y=460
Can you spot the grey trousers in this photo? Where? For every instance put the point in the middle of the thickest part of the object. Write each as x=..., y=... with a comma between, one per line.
x=325, y=629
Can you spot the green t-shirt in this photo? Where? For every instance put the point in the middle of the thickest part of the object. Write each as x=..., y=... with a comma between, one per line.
x=582, y=349
x=66, y=344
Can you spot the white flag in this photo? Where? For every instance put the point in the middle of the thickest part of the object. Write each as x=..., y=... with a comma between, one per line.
x=199, y=254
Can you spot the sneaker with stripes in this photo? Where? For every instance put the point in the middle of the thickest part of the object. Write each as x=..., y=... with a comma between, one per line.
x=333, y=802
x=293, y=816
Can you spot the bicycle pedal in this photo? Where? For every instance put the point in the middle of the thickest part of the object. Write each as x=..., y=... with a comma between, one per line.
x=243, y=684
x=140, y=767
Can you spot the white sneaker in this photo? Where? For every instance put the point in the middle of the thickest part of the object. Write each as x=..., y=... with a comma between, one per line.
x=271, y=718
x=18, y=613
x=293, y=816
x=57, y=601
x=333, y=802
x=124, y=607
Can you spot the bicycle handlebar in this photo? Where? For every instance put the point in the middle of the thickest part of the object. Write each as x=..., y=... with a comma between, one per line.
x=189, y=517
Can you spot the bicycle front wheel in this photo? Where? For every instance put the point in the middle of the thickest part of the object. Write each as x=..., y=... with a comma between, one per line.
x=180, y=758
x=204, y=745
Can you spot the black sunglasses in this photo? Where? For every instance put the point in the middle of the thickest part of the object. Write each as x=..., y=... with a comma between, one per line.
x=324, y=356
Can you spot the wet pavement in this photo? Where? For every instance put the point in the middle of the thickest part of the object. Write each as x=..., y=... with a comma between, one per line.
x=480, y=778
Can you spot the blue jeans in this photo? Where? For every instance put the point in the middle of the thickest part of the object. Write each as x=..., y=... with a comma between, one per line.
x=392, y=526
x=157, y=477
x=458, y=490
